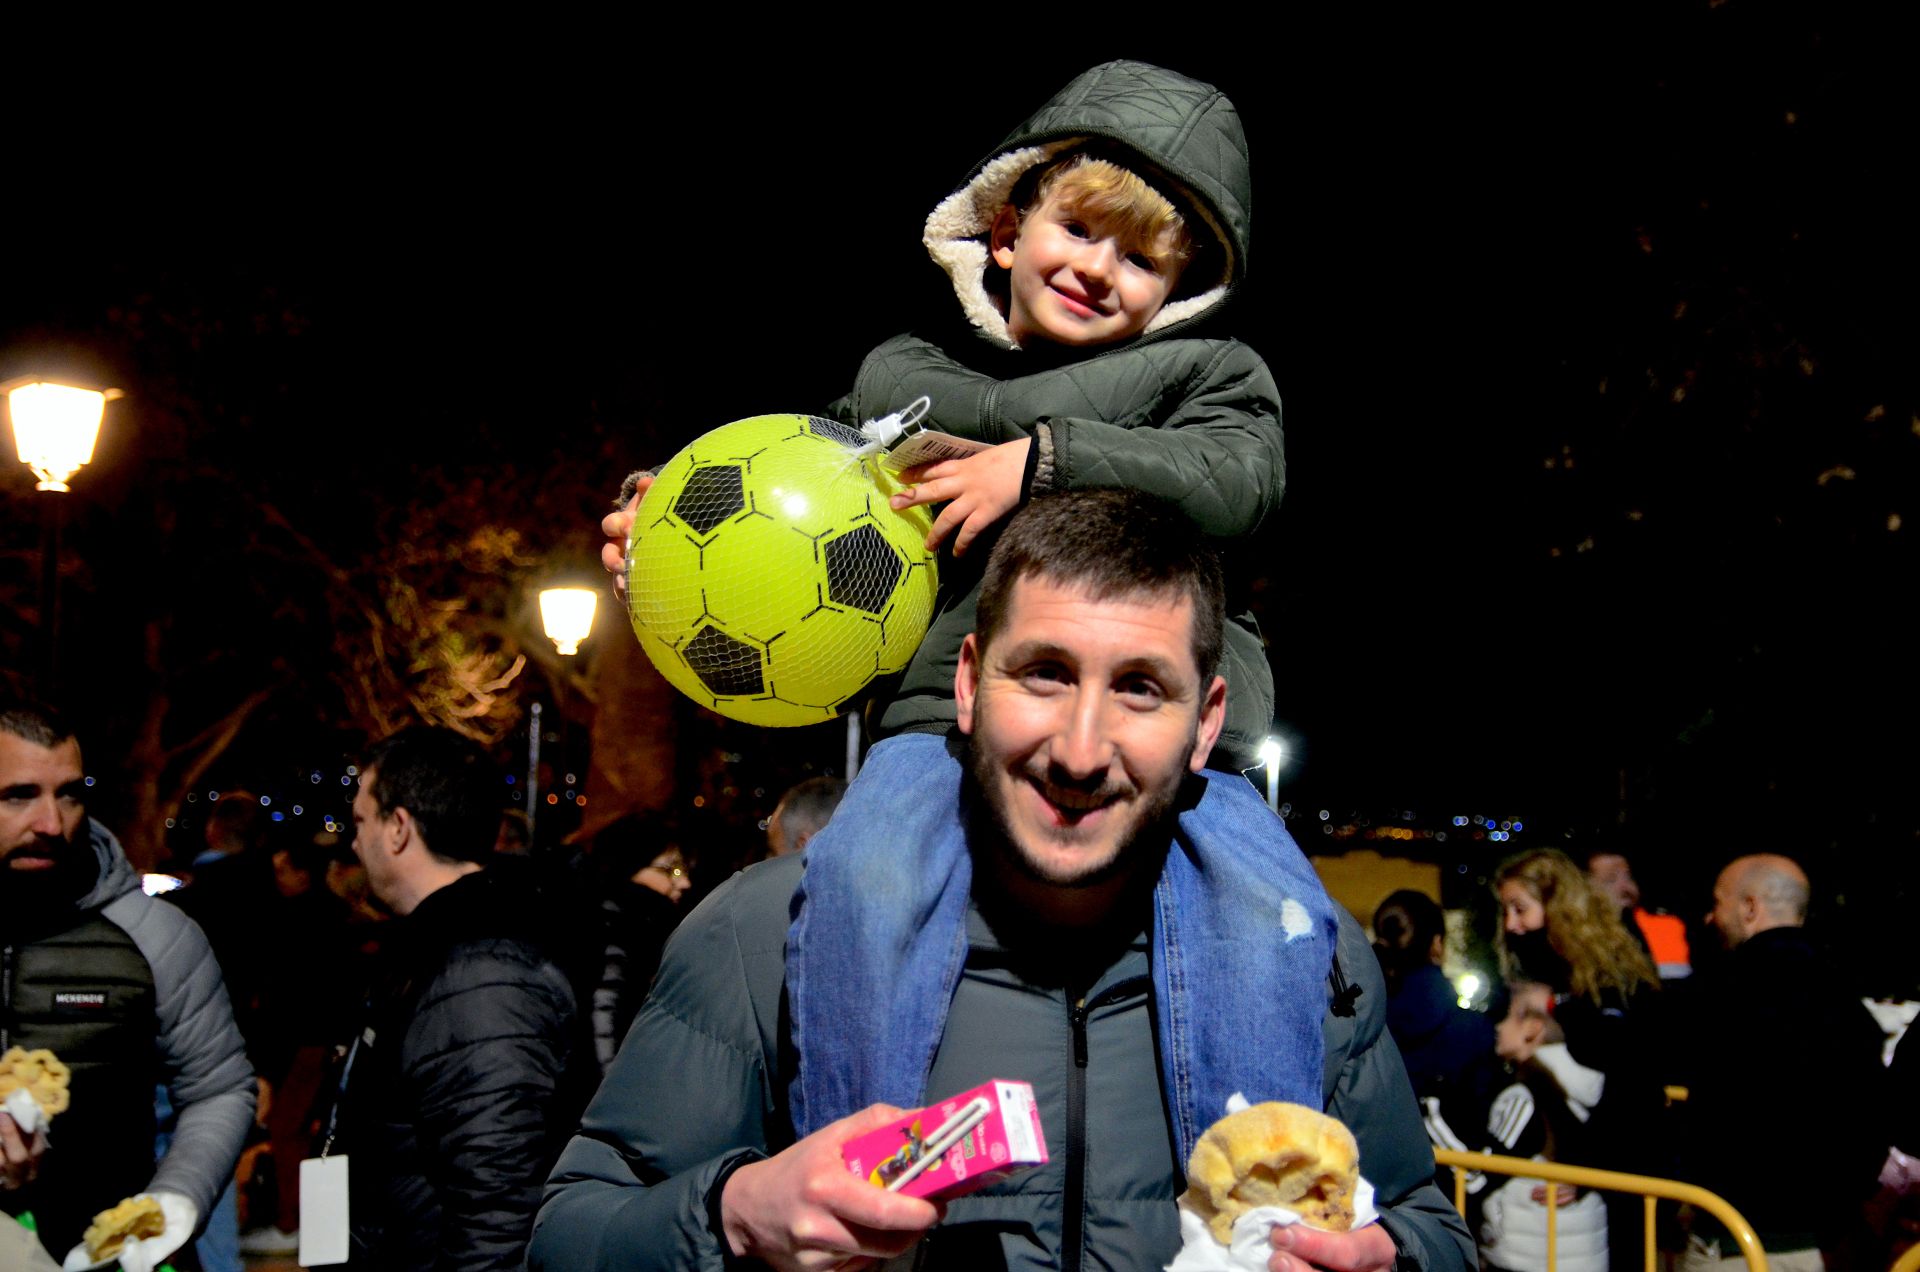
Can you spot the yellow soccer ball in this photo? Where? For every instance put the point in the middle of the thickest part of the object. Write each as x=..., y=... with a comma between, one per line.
x=768, y=579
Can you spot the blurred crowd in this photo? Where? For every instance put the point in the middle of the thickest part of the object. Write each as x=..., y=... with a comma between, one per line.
x=446, y=1014
x=1760, y=1077
x=439, y=1016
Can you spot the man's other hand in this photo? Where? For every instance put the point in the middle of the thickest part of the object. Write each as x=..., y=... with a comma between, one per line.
x=1298, y=1248
x=804, y=1209
x=19, y=1154
x=617, y=526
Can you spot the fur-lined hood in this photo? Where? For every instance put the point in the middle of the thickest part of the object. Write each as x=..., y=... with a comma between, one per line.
x=1189, y=143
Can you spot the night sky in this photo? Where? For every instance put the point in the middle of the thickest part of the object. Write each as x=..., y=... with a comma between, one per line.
x=1595, y=340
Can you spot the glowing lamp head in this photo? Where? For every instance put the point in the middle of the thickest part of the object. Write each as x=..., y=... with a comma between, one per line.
x=1272, y=754
x=54, y=429
x=567, y=615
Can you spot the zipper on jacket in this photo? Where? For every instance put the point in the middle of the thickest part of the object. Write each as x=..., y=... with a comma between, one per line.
x=1074, y=1217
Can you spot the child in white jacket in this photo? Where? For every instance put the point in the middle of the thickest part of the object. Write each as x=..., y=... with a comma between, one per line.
x=1541, y=1116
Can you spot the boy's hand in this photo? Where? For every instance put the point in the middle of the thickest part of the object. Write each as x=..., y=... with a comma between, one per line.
x=804, y=1209
x=978, y=491
x=1298, y=1248
x=617, y=526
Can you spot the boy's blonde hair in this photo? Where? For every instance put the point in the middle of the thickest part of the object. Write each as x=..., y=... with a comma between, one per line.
x=1100, y=187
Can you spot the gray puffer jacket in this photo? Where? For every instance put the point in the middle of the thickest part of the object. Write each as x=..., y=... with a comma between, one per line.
x=126, y=991
x=1191, y=418
x=701, y=1084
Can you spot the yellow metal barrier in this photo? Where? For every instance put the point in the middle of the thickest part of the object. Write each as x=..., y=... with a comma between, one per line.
x=1908, y=1262
x=1649, y=1187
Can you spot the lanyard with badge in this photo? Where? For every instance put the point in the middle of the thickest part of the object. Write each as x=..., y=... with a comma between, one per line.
x=323, y=1181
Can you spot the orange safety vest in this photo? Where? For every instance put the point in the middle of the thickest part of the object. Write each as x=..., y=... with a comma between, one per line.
x=1667, y=941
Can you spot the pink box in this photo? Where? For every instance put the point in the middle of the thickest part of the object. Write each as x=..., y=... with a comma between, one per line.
x=953, y=1147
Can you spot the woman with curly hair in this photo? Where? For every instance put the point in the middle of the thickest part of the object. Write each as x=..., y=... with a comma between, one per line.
x=1555, y=929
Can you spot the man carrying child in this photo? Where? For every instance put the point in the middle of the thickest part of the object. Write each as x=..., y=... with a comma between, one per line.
x=1073, y=903
x=1087, y=255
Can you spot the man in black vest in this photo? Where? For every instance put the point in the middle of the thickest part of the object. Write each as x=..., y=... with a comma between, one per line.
x=123, y=990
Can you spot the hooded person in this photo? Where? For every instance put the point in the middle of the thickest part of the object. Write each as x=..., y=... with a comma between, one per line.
x=1098, y=363
x=1175, y=410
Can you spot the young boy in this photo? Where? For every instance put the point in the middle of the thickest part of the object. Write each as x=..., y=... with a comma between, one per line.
x=1542, y=1115
x=1086, y=255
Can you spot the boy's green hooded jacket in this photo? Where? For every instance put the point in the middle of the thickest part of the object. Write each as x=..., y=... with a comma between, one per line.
x=1192, y=418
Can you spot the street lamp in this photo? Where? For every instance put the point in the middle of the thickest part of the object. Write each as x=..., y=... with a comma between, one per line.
x=54, y=429
x=567, y=615
x=1273, y=753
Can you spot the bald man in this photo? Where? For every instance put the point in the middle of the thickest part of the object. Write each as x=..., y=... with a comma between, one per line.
x=1785, y=1063
x=1758, y=894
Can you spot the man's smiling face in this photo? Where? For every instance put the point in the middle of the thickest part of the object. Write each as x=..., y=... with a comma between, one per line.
x=41, y=803
x=1084, y=717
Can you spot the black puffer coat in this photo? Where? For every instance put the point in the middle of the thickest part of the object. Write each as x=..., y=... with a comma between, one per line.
x=1192, y=418
x=463, y=1085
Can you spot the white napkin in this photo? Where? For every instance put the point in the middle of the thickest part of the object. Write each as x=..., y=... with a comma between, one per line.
x=25, y=1110
x=150, y=1252
x=1251, y=1247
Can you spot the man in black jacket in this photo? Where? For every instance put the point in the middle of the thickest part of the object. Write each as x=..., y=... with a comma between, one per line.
x=1782, y=1055
x=459, y=1089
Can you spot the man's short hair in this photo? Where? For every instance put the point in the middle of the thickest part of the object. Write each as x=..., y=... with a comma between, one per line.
x=809, y=805
x=1108, y=544
x=33, y=722
x=446, y=783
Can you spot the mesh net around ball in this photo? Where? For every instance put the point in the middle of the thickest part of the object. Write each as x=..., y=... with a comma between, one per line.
x=768, y=579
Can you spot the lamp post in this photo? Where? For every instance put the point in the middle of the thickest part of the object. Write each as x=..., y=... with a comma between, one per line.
x=1273, y=753
x=55, y=427
x=566, y=614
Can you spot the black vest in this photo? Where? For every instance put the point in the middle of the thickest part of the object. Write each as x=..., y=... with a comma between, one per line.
x=87, y=995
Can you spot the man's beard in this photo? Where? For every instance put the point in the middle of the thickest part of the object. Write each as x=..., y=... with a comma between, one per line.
x=27, y=892
x=1147, y=838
